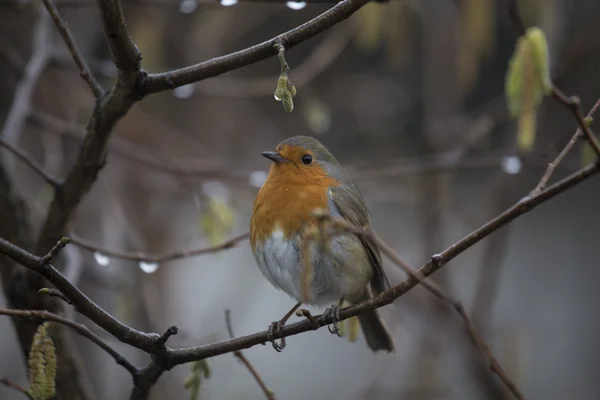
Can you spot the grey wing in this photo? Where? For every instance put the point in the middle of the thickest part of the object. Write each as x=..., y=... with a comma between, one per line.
x=350, y=203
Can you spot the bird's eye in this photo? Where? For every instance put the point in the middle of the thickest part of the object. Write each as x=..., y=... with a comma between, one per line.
x=307, y=159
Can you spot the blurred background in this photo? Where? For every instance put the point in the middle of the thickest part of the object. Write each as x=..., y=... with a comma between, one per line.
x=409, y=96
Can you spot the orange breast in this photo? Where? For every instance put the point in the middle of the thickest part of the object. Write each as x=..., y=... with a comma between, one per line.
x=287, y=200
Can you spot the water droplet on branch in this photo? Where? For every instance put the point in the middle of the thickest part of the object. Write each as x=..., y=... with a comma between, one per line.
x=101, y=259
x=148, y=267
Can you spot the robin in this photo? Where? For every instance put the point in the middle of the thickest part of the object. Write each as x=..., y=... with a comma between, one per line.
x=305, y=177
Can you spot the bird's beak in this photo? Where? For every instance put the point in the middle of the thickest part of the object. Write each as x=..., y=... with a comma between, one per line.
x=274, y=156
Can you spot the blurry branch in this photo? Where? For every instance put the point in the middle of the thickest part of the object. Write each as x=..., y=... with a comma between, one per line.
x=65, y=33
x=42, y=316
x=559, y=158
x=489, y=281
x=30, y=162
x=109, y=109
x=219, y=65
x=192, y=167
x=343, y=226
x=573, y=103
x=15, y=386
x=240, y=356
x=143, y=154
x=158, y=259
x=323, y=55
x=22, y=97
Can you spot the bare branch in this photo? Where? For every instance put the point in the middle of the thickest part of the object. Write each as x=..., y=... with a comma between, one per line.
x=342, y=225
x=219, y=65
x=149, y=258
x=240, y=356
x=109, y=109
x=41, y=316
x=181, y=356
x=8, y=383
x=65, y=33
x=83, y=304
x=31, y=163
x=321, y=57
x=554, y=164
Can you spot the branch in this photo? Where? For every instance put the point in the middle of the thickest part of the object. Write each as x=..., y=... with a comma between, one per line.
x=165, y=359
x=65, y=33
x=180, y=356
x=240, y=356
x=219, y=65
x=554, y=164
x=8, y=383
x=83, y=304
x=109, y=109
x=41, y=316
x=343, y=226
x=321, y=57
x=158, y=259
x=31, y=163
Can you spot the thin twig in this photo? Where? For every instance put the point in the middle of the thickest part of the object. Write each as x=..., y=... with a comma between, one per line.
x=574, y=105
x=321, y=57
x=158, y=259
x=474, y=334
x=31, y=163
x=556, y=162
x=91, y=157
x=240, y=356
x=40, y=315
x=13, y=385
x=55, y=293
x=343, y=226
x=219, y=65
x=65, y=33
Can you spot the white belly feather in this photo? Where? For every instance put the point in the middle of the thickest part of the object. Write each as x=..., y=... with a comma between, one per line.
x=338, y=272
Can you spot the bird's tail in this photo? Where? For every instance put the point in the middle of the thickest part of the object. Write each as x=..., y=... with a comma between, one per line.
x=376, y=333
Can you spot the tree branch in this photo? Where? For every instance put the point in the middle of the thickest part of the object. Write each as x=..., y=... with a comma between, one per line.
x=180, y=356
x=16, y=386
x=83, y=304
x=41, y=316
x=219, y=65
x=240, y=356
x=109, y=109
x=158, y=259
x=65, y=33
x=31, y=163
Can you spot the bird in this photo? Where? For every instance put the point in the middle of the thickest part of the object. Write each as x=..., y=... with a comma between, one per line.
x=305, y=177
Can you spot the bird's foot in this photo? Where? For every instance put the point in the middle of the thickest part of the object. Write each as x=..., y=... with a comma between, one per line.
x=306, y=314
x=275, y=328
x=334, y=313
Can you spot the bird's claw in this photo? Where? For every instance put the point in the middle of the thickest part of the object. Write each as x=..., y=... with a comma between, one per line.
x=334, y=313
x=306, y=314
x=273, y=328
